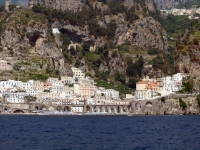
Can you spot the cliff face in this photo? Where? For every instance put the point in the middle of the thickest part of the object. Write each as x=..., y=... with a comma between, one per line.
x=188, y=53
x=72, y=5
x=169, y=4
x=143, y=30
x=28, y=40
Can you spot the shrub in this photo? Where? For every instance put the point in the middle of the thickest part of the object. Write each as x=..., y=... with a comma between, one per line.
x=198, y=100
x=132, y=82
x=196, y=41
x=182, y=104
x=153, y=51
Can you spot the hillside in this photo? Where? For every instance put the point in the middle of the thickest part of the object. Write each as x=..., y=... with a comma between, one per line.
x=117, y=42
x=187, y=54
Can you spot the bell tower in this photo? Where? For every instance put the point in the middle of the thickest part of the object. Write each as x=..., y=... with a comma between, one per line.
x=7, y=3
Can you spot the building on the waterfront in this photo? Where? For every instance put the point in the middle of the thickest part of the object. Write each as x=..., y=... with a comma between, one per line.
x=146, y=89
x=151, y=88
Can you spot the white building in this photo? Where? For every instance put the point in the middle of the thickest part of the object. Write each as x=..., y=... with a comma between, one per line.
x=146, y=89
x=55, y=31
x=111, y=93
x=15, y=97
x=78, y=73
x=77, y=109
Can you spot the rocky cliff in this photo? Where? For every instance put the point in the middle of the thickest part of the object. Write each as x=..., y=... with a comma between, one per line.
x=188, y=53
x=28, y=40
x=134, y=22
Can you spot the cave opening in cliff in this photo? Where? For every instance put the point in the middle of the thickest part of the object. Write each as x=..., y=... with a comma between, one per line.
x=34, y=36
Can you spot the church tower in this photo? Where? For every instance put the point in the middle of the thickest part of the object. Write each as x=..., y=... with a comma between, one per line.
x=8, y=2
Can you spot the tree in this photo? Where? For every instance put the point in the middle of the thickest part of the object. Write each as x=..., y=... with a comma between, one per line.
x=120, y=77
x=196, y=41
x=86, y=47
x=132, y=82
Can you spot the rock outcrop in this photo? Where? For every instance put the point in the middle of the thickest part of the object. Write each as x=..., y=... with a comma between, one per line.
x=72, y=5
x=31, y=40
x=143, y=31
x=187, y=56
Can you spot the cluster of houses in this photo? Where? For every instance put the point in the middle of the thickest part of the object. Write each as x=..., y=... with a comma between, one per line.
x=78, y=89
x=178, y=12
x=153, y=88
x=66, y=91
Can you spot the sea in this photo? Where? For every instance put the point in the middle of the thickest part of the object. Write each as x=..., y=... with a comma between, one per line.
x=18, y=132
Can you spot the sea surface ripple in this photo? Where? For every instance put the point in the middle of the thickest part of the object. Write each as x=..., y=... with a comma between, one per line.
x=100, y=132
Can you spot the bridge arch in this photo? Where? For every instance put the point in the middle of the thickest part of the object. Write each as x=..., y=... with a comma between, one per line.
x=36, y=108
x=138, y=106
x=106, y=109
x=67, y=108
x=18, y=111
x=59, y=108
x=51, y=108
x=100, y=109
x=43, y=107
x=88, y=108
x=149, y=104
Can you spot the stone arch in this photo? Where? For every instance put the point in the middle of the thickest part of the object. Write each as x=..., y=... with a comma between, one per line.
x=112, y=109
x=43, y=107
x=100, y=109
x=149, y=104
x=124, y=109
x=36, y=107
x=87, y=108
x=5, y=109
x=67, y=108
x=18, y=111
x=94, y=109
x=138, y=106
x=51, y=108
x=106, y=109
x=59, y=108
x=118, y=109
x=130, y=108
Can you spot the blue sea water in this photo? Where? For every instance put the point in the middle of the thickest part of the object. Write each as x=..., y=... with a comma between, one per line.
x=99, y=132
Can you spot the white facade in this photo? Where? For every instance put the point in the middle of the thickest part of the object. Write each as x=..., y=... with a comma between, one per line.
x=55, y=31
x=78, y=72
x=77, y=109
x=111, y=93
x=15, y=97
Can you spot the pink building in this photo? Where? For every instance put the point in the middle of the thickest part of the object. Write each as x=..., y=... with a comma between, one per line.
x=3, y=65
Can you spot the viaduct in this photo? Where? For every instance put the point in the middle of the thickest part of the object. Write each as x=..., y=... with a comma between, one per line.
x=146, y=107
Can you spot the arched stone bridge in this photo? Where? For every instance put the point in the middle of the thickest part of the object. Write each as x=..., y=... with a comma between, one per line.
x=146, y=107
x=34, y=107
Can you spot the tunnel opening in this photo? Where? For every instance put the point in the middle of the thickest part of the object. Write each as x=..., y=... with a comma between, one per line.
x=67, y=108
x=88, y=108
x=18, y=111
